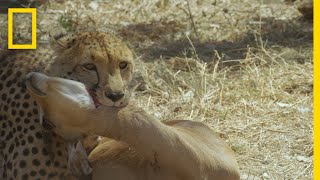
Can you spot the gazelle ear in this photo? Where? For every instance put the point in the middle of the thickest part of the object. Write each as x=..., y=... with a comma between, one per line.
x=78, y=162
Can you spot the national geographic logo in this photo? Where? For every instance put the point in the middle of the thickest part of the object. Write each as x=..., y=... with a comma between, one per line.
x=33, y=12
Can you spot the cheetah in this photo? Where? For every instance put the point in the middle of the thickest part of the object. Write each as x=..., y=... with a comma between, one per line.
x=100, y=60
x=140, y=146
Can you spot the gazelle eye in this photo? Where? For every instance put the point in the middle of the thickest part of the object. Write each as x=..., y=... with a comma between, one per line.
x=123, y=65
x=89, y=66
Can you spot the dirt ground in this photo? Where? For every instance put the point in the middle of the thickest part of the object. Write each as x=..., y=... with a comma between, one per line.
x=244, y=67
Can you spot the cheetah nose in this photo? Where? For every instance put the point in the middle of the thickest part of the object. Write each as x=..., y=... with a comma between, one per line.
x=115, y=96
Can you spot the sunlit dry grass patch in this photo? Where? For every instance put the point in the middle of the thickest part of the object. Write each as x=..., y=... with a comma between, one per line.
x=264, y=109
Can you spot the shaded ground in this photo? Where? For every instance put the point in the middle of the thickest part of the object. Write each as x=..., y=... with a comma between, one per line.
x=294, y=33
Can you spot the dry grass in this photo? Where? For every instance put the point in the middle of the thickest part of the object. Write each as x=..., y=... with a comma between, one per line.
x=264, y=109
x=244, y=67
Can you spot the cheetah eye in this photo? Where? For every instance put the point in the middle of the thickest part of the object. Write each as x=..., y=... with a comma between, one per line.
x=89, y=66
x=123, y=65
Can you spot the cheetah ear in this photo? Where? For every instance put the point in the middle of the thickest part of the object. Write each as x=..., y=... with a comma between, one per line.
x=59, y=39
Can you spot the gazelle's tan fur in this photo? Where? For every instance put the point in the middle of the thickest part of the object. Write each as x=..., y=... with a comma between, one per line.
x=139, y=146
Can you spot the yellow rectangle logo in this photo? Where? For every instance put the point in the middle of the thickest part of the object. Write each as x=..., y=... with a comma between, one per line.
x=33, y=12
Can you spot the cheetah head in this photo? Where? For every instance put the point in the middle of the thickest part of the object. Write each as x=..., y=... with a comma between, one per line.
x=100, y=60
